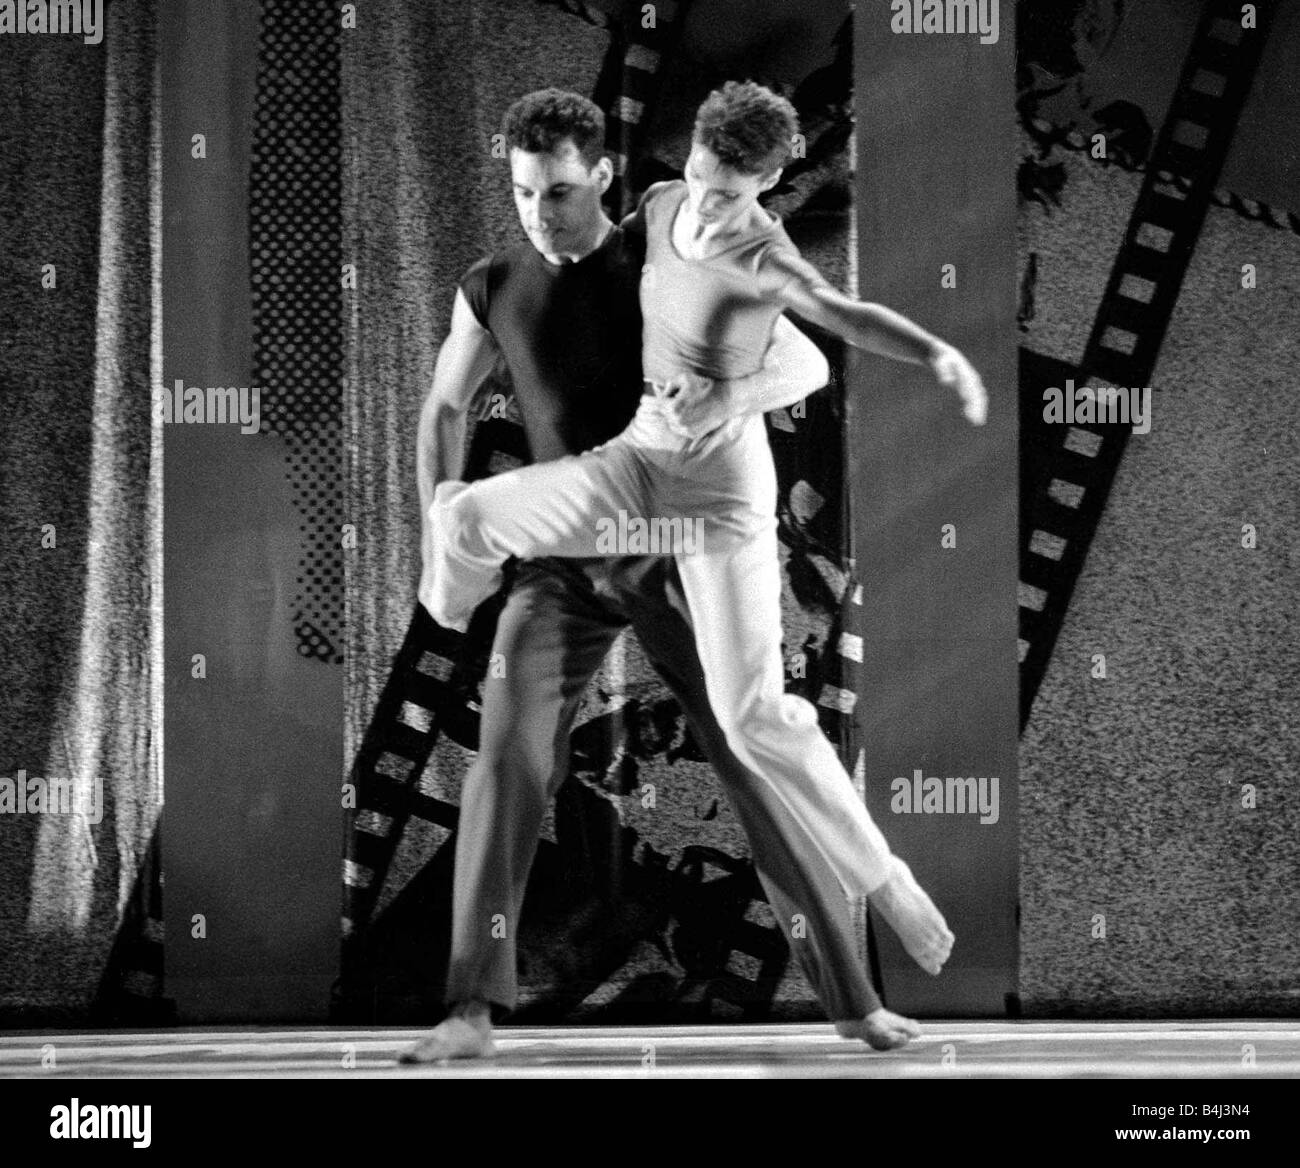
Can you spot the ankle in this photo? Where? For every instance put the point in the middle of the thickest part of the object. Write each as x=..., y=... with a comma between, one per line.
x=476, y=1012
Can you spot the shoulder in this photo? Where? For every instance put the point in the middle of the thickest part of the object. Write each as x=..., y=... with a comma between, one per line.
x=656, y=193
x=475, y=287
x=660, y=190
x=655, y=196
x=503, y=262
x=626, y=247
x=778, y=263
x=664, y=197
x=478, y=270
x=485, y=277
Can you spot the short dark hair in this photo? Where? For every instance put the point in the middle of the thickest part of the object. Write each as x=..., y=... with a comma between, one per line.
x=750, y=128
x=540, y=121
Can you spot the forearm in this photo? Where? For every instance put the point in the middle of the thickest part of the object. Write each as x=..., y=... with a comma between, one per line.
x=440, y=445
x=878, y=329
x=881, y=330
x=767, y=390
x=793, y=367
x=464, y=362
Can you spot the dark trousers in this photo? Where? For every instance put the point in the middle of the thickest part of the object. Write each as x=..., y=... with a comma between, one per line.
x=559, y=622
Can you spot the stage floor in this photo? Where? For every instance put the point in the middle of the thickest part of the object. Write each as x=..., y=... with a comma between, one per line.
x=1246, y=1050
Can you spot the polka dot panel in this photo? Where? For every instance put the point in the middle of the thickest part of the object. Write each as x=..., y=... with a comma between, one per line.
x=296, y=231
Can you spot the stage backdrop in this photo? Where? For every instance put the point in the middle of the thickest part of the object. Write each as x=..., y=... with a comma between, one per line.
x=252, y=530
x=81, y=514
x=1160, y=857
x=1158, y=854
x=935, y=499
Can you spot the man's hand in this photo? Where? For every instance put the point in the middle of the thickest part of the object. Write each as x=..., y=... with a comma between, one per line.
x=952, y=369
x=694, y=406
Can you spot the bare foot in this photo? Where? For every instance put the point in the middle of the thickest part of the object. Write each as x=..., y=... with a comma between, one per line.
x=913, y=916
x=466, y=1033
x=881, y=1029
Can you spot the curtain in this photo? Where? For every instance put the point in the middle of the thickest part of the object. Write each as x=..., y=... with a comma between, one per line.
x=80, y=567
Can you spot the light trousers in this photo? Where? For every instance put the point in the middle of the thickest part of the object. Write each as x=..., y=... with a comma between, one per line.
x=713, y=501
x=558, y=624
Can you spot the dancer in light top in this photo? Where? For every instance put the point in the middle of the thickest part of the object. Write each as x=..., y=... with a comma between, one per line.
x=719, y=271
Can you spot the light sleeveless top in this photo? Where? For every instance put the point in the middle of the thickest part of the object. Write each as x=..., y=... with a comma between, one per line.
x=713, y=316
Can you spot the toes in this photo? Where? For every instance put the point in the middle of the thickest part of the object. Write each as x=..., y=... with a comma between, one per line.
x=417, y=1057
x=885, y=1030
x=888, y=1039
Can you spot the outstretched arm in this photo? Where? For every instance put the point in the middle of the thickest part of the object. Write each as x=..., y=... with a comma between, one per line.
x=793, y=367
x=879, y=330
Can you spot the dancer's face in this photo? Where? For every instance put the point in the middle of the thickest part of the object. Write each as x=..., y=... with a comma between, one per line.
x=558, y=199
x=718, y=196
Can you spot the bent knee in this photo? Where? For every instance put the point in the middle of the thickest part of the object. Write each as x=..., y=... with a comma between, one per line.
x=762, y=715
x=455, y=516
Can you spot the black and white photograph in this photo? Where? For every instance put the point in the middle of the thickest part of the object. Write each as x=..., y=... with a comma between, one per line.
x=698, y=539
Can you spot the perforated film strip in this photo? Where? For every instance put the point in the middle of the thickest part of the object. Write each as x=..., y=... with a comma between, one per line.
x=1065, y=483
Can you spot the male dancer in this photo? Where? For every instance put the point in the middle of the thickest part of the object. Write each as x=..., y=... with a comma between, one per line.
x=563, y=310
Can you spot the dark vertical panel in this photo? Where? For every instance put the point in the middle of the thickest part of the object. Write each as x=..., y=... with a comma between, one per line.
x=936, y=186
x=253, y=752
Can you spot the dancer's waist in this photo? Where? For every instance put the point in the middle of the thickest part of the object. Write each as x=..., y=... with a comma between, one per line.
x=651, y=429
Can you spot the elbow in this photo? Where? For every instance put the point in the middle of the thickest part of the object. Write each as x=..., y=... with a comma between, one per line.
x=437, y=411
x=428, y=417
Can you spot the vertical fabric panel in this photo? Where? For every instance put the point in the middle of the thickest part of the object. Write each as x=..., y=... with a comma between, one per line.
x=935, y=188
x=79, y=497
x=253, y=728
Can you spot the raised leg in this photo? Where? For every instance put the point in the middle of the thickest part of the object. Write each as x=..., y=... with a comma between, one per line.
x=569, y=508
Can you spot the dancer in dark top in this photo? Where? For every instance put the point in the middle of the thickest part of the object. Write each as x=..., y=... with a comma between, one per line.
x=563, y=311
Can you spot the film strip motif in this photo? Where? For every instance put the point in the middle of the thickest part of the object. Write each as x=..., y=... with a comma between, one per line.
x=1064, y=492
x=401, y=736
x=629, y=83
x=738, y=964
x=430, y=691
x=631, y=80
x=1075, y=141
